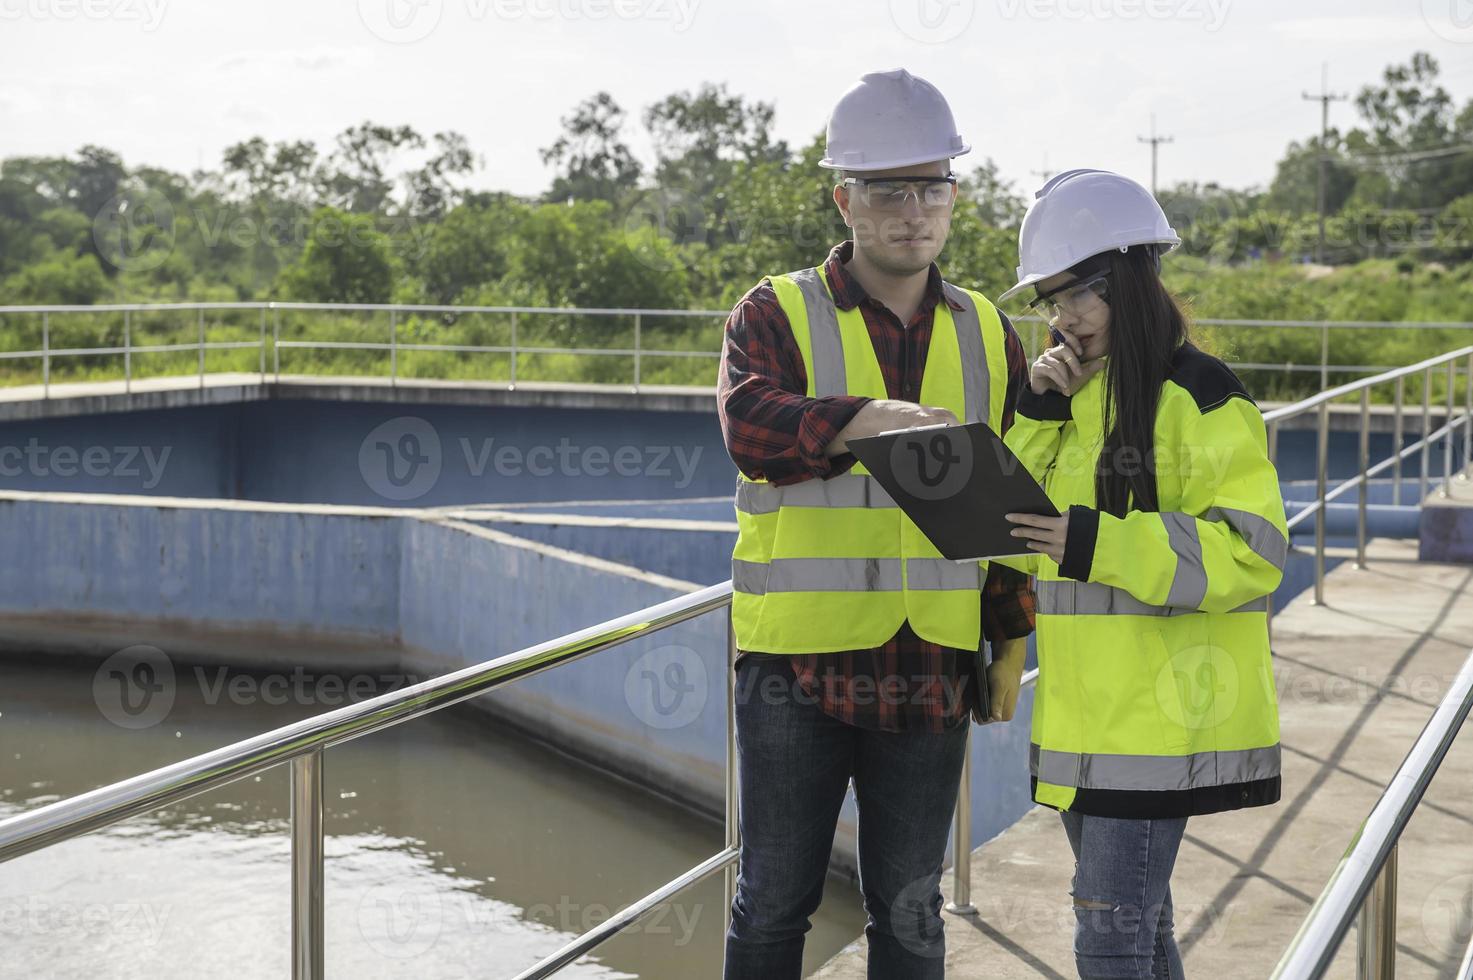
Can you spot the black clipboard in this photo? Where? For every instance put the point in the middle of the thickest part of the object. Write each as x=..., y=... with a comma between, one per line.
x=956, y=482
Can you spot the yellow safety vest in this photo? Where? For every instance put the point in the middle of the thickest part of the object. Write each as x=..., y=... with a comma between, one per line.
x=1155, y=694
x=833, y=564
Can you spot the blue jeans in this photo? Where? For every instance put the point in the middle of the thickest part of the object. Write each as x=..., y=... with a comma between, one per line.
x=794, y=765
x=1122, y=896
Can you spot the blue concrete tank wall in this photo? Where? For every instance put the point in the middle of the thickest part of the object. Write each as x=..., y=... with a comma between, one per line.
x=234, y=567
x=308, y=451
x=703, y=557
x=435, y=455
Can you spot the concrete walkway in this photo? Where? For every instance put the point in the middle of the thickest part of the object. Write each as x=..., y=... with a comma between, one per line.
x=1357, y=680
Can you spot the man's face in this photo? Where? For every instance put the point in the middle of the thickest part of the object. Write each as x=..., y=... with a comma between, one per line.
x=900, y=233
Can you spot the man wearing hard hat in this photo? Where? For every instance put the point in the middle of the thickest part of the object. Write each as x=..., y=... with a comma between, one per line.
x=858, y=641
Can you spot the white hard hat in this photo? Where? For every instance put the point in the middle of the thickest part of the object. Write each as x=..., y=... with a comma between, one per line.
x=891, y=119
x=1080, y=213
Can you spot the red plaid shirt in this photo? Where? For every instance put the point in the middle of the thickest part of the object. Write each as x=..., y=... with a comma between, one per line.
x=774, y=431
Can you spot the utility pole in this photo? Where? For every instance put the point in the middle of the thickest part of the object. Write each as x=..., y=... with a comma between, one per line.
x=1324, y=99
x=1045, y=173
x=1155, y=141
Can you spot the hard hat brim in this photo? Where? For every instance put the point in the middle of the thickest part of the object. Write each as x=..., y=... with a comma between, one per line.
x=871, y=166
x=1035, y=277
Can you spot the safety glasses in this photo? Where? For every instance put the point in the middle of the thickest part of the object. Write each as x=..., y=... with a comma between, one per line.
x=891, y=193
x=1075, y=298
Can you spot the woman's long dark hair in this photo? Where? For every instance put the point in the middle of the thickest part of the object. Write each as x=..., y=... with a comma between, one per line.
x=1146, y=327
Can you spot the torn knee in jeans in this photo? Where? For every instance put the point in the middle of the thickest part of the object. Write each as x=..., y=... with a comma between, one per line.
x=1094, y=905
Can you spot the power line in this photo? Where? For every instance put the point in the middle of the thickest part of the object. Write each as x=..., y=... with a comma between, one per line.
x=1408, y=156
x=1324, y=99
x=1155, y=142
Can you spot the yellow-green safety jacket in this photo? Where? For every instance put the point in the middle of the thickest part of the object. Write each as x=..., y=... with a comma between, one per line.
x=833, y=564
x=1155, y=695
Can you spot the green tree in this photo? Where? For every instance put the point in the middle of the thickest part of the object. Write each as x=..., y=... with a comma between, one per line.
x=61, y=277
x=356, y=175
x=346, y=260
x=592, y=161
x=469, y=247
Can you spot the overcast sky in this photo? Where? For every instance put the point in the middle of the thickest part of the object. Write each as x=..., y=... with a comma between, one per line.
x=172, y=82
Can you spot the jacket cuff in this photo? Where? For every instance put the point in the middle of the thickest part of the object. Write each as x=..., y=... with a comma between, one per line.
x=1051, y=406
x=1079, y=542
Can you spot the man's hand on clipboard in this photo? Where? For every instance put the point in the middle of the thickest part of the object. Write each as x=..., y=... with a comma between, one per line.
x=885, y=414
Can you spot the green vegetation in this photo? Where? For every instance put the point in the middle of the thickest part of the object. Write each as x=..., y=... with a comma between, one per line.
x=384, y=216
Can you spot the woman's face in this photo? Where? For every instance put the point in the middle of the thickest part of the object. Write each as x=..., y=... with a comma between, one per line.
x=1081, y=313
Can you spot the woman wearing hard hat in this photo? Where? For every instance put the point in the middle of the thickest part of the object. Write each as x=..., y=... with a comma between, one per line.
x=1155, y=700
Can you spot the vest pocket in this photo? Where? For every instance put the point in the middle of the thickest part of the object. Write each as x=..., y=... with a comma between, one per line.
x=1165, y=682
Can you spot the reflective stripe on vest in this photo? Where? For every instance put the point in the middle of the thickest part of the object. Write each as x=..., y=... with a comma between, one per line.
x=851, y=575
x=844, y=490
x=1066, y=597
x=1152, y=772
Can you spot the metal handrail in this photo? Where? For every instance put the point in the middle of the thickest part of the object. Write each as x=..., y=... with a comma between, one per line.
x=1364, y=882
x=1427, y=436
x=638, y=351
x=301, y=744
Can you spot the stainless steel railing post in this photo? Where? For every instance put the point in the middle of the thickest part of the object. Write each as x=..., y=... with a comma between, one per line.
x=733, y=807
x=1467, y=420
x=1322, y=455
x=46, y=355
x=201, y=347
x=636, y=350
x=1376, y=944
x=127, y=352
x=1447, y=440
x=513, y=349
x=1324, y=356
x=961, y=838
x=1398, y=434
x=1425, y=482
x=263, y=345
x=308, y=944
x=393, y=347
x=276, y=342
x=1365, y=480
